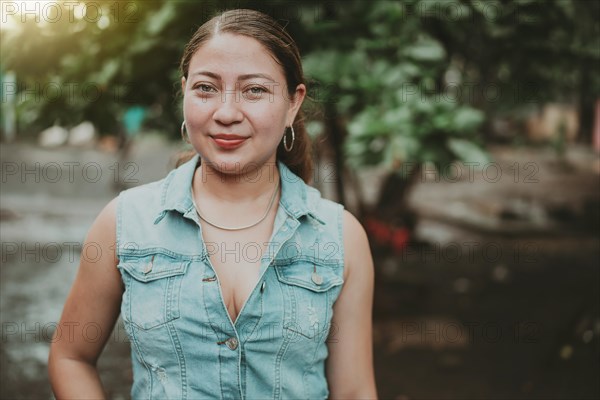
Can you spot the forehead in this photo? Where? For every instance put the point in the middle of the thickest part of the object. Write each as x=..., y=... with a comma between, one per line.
x=231, y=55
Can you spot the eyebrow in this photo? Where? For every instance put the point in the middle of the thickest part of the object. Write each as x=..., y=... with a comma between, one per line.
x=240, y=78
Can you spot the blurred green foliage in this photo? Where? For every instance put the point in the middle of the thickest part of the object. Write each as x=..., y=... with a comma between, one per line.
x=410, y=80
x=415, y=80
x=379, y=82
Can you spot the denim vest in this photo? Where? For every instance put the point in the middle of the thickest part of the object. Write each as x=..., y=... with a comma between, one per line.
x=184, y=344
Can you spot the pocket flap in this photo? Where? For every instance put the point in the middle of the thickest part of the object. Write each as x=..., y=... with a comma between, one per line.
x=309, y=275
x=154, y=266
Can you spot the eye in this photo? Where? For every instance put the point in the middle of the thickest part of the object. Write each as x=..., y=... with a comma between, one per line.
x=257, y=90
x=254, y=92
x=204, y=88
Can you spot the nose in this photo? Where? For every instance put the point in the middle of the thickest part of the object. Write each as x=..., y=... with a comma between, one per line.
x=228, y=109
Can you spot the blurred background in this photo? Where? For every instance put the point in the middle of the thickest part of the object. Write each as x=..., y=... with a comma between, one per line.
x=464, y=135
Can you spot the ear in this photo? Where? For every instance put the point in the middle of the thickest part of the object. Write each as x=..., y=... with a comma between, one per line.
x=296, y=102
x=183, y=84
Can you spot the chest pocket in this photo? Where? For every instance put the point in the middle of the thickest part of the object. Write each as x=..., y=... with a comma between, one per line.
x=152, y=289
x=309, y=289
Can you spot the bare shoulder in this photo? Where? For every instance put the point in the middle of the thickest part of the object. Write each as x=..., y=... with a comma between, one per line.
x=104, y=229
x=357, y=253
x=107, y=218
x=354, y=233
x=101, y=239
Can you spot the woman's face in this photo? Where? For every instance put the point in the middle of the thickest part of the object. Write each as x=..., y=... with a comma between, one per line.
x=236, y=104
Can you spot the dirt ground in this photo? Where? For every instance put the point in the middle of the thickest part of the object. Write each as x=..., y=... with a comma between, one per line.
x=499, y=300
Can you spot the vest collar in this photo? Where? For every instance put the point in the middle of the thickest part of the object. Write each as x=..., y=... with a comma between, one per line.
x=176, y=192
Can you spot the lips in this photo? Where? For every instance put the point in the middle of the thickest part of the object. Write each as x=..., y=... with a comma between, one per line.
x=227, y=141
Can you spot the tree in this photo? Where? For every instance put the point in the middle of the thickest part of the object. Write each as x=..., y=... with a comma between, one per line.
x=384, y=94
x=394, y=83
x=413, y=82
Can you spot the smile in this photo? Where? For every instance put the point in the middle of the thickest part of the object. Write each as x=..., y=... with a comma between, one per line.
x=228, y=141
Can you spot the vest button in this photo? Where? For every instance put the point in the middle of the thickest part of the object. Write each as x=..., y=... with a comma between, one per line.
x=148, y=268
x=232, y=343
x=316, y=278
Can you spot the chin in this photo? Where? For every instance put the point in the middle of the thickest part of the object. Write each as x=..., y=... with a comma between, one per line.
x=225, y=165
x=234, y=163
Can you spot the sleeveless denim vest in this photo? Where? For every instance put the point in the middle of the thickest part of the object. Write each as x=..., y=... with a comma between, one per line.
x=184, y=344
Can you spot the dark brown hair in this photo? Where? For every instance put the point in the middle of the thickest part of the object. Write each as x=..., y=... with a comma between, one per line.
x=280, y=44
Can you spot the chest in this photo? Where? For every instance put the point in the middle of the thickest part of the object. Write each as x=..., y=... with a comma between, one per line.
x=235, y=256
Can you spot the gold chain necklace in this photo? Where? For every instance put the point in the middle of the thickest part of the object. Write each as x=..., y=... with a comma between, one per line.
x=242, y=227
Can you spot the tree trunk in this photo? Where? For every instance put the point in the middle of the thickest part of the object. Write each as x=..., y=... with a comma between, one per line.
x=337, y=134
x=392, y=205
x=586, y=107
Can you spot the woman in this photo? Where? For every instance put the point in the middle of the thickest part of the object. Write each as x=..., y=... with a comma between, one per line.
x=234, y=278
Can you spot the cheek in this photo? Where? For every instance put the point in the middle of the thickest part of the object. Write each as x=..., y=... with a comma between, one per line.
x=274, y=113
x=194, y=109
x=187, y=107
x=275, y=122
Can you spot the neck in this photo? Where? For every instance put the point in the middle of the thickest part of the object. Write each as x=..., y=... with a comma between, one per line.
x=242, y=185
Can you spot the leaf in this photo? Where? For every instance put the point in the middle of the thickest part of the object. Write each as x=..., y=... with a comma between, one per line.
x=157, y=21
x=403, y=148
x=467, y=119
x=426, y=49
x=108, y=71
x=315, y=128
x=467, y=151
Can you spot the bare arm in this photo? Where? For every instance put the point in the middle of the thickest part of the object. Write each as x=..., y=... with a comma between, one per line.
x=350, y=364
x=89, y=314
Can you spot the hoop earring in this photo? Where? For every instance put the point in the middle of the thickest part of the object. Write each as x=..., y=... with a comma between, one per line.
x=184, y=135
x=288, y=149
